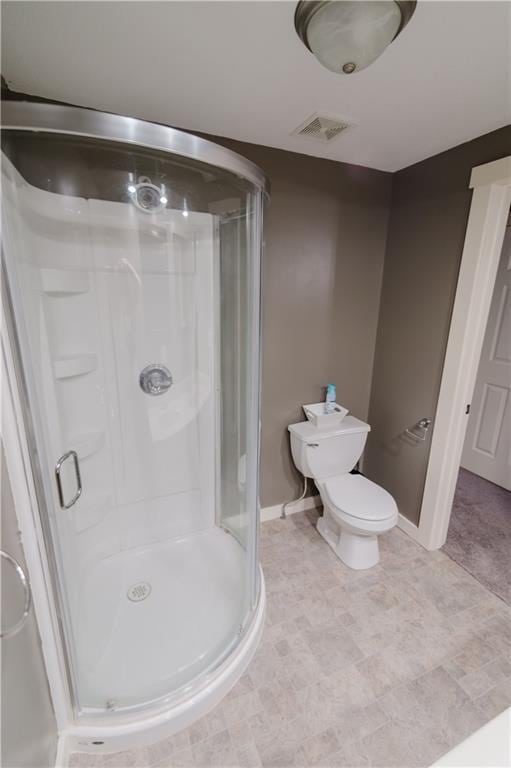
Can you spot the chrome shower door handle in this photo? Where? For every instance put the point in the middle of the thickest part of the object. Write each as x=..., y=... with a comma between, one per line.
x=58, y=466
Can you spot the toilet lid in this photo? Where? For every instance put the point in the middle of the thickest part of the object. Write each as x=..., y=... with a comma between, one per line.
x=357, y=496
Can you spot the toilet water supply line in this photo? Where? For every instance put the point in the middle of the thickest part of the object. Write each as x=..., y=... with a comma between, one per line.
x=294, y=501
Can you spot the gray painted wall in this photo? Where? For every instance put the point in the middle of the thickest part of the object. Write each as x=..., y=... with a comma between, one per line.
x=29, y=731
x=429, y=212
x=325, y=234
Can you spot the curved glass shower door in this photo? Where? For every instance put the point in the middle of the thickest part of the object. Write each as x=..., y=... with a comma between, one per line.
x=134, y=282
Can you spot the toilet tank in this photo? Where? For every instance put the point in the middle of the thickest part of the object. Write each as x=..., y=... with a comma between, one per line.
x=322, y=453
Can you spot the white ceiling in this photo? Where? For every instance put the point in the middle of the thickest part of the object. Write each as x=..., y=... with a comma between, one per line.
x=238, y=69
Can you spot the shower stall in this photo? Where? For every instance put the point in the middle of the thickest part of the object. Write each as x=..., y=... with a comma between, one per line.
x=131, y=260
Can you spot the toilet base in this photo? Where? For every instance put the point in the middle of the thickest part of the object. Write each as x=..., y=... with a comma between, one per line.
x=357, y=552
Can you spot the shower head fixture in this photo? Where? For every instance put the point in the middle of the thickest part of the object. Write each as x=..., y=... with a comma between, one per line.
x=348, y=35
x=146, y=196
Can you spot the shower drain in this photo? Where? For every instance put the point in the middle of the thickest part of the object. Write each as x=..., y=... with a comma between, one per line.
x=139, y=591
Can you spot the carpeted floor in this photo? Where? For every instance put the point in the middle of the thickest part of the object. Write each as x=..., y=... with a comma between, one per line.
x=479, y=537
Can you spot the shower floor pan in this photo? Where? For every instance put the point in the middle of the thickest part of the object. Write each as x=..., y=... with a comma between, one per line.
x=154, y=618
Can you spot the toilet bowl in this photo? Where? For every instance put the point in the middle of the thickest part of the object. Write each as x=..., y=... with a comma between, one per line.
x=356, y=510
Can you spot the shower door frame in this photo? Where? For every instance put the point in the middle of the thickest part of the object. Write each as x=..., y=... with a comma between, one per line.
x=24, y=471
x=18, y=431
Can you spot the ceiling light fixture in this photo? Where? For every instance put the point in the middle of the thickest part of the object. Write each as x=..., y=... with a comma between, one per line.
x=348, y=35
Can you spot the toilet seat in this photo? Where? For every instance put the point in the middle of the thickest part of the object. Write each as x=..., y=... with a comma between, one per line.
x=357, y=497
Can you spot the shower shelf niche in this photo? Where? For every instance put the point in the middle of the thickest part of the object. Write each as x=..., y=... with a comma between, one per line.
x=60, y=282
x=87, y=444
x=68, y=366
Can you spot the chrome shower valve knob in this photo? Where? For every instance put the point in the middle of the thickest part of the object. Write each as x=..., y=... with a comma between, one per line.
x=155, y=379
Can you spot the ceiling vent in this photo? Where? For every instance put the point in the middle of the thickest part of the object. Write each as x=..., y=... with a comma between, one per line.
x=321, y=128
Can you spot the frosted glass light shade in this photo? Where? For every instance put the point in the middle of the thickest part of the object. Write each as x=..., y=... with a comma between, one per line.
x=348, y=35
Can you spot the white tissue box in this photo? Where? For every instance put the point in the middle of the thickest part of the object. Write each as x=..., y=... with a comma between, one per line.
x=315, y=413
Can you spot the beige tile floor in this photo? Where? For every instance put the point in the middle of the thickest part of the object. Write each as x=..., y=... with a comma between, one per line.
x=388, y=667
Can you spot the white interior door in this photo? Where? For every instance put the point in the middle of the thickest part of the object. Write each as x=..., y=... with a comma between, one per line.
x=487, y=449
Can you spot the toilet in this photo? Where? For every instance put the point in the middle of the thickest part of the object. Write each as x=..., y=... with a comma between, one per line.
x=356, y=510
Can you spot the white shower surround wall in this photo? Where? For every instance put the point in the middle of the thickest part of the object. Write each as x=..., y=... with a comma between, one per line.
x=94, y=289
x=114, y=318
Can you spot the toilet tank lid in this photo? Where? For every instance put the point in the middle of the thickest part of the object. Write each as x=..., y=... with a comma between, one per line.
x=307, y=432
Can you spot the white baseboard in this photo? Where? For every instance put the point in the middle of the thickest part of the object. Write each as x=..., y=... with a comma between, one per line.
x=409, y=528
x=273, y=513
x=62, y=756
x=311, y=502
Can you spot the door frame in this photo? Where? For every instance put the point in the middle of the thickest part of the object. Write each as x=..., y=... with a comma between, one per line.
x=489, y=211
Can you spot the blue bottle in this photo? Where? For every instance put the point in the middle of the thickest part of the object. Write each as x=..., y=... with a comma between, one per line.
x=330, y=398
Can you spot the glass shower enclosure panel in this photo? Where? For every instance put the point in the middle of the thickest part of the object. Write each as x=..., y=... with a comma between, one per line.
x=133, y=279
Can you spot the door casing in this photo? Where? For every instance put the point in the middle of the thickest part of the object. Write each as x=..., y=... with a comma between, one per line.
x=489, y=210
x=490, y=412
